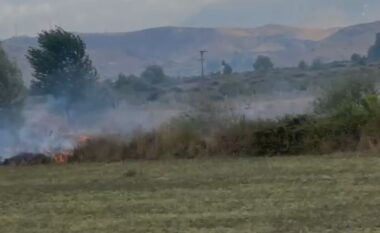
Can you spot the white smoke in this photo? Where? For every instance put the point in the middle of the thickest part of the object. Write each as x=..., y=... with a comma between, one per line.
x=47, y=129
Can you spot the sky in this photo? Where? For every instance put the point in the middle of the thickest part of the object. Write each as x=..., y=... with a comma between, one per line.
x=28, y=17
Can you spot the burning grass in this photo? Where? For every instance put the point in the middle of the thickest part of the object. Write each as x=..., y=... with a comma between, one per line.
x=187, y=139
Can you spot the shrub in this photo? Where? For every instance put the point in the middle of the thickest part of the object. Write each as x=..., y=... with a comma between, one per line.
x=346, y=98
x=263, y=64
x=101, y=149
x=303, y=65
x=317, y=64
x=347, y=117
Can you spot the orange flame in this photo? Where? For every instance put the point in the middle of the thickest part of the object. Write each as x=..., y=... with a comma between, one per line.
x=84, y=139
x=62, y=158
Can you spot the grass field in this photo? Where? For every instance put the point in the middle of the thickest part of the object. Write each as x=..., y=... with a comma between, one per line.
x=289, y=194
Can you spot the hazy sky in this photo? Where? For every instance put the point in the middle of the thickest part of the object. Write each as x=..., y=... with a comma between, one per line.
x=19, y=17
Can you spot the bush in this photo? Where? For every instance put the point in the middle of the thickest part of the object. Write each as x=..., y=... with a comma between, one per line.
x=347, y=118
x=317, y=64
x=346, y=97
x=291, y=135
x=263, y=64
x=153, y=74
x=101, y=149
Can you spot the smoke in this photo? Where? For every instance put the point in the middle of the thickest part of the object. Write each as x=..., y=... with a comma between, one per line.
x=276, y=106
x=48, y=129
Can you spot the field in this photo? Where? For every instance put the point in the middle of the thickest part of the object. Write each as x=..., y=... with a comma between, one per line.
x=337, y=193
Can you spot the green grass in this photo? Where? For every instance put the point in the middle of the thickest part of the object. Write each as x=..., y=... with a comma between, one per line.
x=284, y=194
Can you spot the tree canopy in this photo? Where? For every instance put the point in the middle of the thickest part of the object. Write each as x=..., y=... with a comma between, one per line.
x=153, y=74
x=263, y=64
x=317, y=64
x=302, y=65
x=358, y=60
x=346, y=96
x=227, y=69
x=61, y=66
x=374, y=51
x=12, y=89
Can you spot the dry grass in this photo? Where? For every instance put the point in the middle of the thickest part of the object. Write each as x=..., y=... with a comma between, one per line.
x=290, y=194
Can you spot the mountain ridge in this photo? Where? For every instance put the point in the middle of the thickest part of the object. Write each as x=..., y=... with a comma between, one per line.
x=177, y=48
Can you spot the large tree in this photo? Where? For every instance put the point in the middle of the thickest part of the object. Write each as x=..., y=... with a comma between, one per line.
x=61, y=66
x=12, y=91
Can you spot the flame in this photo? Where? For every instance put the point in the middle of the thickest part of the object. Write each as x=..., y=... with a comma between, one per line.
x=84, y=139
x=62, y=158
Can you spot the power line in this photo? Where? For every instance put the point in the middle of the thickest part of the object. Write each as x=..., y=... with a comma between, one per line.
x=202, y=52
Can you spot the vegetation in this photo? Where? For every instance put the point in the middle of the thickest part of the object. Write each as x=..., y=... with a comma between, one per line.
x=294, y=194
x=263, y=64
x=267, y=194
x=61, y=66
x=12, y=92
x=346, y=119
x=317, y=64
x=227, y=69
x=358, y=60
x=302, y=65
x=153, y=74
x=374, y=51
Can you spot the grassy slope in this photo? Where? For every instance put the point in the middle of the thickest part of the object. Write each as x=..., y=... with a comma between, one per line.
x=305, y=194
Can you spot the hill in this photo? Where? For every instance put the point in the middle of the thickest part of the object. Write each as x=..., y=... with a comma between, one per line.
x=176, y=48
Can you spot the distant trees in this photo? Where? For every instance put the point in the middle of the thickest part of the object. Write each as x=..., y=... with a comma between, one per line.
x=358, y=60
x=61, y=66
x=317, y=64
x=154, y=74
x=263, y=64
x=12, y=91
x=303, y=65
x=227, y=69
x=374, y=51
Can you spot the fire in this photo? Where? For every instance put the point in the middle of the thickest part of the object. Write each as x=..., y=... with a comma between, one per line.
x=62, y=158
x=84, y=139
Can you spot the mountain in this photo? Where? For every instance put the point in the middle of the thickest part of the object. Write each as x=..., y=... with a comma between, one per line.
x=177, y=48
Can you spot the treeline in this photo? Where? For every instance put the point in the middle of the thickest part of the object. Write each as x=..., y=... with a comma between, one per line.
x=62, y=69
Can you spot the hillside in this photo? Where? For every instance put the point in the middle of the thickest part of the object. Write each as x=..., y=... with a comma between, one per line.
x=176, y=48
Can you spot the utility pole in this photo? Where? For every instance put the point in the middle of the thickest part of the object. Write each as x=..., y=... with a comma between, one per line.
x=202, y=61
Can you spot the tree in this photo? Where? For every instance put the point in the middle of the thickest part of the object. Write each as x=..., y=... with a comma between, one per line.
x=358, y=60
x=154, y=74
x=302, y=65
x=346, y=96
x=374, y=51
x=227, y=69
x=12, y=92
x=317, y=64
x=61, y=66
x=263, y=64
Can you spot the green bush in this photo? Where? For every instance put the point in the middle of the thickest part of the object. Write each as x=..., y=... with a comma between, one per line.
x=291, y=135
x=347, y=118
